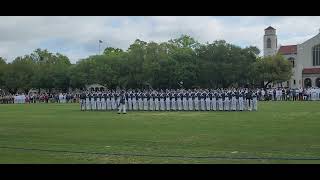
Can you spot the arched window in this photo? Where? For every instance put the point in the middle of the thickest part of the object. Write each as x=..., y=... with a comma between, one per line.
x=268, y=43
x=316, y=55
x=318, y=82
x=307, y=83
x=291, y=59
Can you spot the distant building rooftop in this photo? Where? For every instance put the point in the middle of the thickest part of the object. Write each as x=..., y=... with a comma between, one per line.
x=290, y=49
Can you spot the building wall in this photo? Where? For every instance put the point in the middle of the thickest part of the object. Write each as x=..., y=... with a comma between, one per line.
x=305, y=58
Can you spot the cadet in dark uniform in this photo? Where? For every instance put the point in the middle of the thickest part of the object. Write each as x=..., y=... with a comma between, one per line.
x=82, y=101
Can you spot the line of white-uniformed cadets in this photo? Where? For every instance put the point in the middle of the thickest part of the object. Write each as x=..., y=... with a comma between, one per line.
x=171, y=100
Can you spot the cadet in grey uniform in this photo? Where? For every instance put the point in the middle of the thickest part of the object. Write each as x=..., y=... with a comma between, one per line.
x=122, y=103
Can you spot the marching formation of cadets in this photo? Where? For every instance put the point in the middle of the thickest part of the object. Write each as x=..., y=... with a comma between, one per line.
x=170, y=100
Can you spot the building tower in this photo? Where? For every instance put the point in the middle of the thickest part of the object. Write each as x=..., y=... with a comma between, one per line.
x=270, y=42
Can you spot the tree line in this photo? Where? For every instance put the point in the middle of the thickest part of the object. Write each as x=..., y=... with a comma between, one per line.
x=172, y=64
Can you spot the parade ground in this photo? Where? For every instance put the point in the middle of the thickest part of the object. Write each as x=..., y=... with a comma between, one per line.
x=279, y=132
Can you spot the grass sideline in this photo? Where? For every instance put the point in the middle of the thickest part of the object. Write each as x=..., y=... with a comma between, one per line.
x=280, y=132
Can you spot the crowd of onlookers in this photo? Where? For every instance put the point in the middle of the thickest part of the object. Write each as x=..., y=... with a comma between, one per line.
x=271, y=94
x=286, y=94
x=22, y=98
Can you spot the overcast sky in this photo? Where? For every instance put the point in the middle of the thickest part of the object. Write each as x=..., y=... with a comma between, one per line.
x=78, y=36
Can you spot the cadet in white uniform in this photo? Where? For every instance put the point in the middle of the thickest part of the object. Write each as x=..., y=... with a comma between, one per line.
x=241, y=98
x=220, y=101
x=214, y=101
x=151, y=102
x=202, y=101
x=179, y=100
x=162, y=100
x=207, y=99
x=88, y=102
x=134, y=101
x=130, y=98
x=254, y=101
x=168, y=100
x=99, y=102
x=233, y=101
x=157, y=101
x=191, y=100
x=145, y=101
x=196, y=101
x=103, y=102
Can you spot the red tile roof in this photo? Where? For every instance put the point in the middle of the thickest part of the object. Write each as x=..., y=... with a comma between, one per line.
x=268, y=28
x=291, y=49
x=311, y=71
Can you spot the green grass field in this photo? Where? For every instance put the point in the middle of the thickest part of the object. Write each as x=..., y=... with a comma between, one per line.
x=280, y=132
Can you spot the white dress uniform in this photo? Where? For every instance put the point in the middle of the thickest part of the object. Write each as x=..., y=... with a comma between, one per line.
x=134, y=102
x=185, y=101
x=196, y=101
x=254, y=102
x=208, y=106
x=118, y=100
x=151, y=102
x=202, y=102
x=108, y=101
x=103, y=102
x=179, y=101
x=173, y=102
x=94, y=102
x=82, y=102
x=88, y=102
x=190, y=101
x=214, y=102
x=140, y=101
x=220, y=102
x=145, y=102
x=98, y=103
x=233, y=102
x=130, y=98
x=167, y=101
x=157, y=102
x=113, y=101
x=226, y=102
x=162, y=105
x=241, y=105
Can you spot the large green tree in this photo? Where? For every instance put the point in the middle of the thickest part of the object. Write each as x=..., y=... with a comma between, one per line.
x=272, y=69
x=3, y=65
